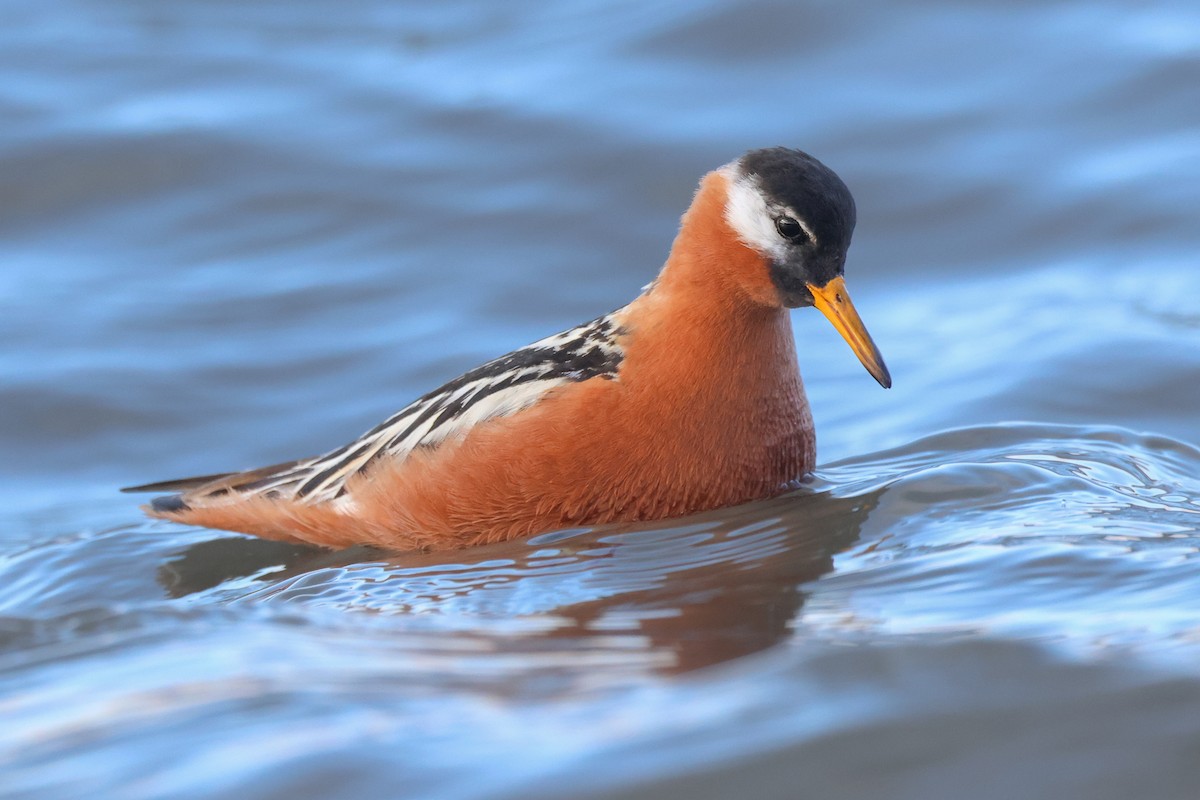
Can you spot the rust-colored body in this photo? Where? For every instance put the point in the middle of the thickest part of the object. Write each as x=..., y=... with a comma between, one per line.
x=707, y=410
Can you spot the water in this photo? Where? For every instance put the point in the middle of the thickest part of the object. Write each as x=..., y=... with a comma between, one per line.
x=236, y=233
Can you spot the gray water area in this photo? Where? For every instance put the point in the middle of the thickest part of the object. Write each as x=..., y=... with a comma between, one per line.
x=237, y=233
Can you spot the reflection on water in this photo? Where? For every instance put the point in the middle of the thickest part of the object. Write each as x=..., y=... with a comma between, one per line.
x=723, y=586
x=234, y=233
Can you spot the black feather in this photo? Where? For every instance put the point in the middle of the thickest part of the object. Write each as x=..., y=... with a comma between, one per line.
x=169, y=503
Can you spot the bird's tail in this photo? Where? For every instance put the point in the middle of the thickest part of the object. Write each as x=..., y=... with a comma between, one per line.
x=186, y=492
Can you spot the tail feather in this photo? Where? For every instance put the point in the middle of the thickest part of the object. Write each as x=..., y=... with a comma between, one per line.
x=169, y=504
x=178, y=484
x=202, y=487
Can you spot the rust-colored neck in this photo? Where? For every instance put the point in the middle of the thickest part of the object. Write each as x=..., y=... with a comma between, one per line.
x=713, y=349
x=713, y=312
x=709, y=265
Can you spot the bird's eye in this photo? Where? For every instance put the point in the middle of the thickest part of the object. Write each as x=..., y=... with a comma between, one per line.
x=790, y=229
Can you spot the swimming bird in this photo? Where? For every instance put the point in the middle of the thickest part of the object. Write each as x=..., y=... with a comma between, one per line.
x=688, y=398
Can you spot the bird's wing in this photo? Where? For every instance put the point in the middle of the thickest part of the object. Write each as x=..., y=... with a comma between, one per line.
x=495, y=389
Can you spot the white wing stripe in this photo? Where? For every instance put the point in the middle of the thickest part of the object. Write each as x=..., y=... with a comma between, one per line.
x=498, y=404
x=500, y=387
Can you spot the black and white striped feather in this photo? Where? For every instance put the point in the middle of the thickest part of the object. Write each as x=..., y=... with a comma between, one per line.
x=498, y=388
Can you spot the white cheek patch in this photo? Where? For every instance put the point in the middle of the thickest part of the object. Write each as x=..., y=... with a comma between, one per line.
x=747, y=212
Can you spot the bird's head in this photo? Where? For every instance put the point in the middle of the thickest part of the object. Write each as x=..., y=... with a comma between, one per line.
x=798, y=215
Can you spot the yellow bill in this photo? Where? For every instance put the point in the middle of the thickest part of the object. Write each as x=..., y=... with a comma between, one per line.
x=834, y=302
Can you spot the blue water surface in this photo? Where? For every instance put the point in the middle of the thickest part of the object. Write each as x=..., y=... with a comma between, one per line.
x=233, y=234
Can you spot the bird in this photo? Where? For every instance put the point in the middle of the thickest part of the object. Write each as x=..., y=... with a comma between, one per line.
x=687, y=399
